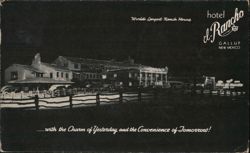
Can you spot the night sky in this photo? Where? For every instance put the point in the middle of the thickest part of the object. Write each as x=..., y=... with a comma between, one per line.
x=104, y=30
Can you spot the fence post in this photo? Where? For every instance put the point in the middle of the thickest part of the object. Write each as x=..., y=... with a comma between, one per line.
x=98, y=99
x=37, y=102
x=120, y=97
x=70, y=101
x=139, y=96
x=12, y=94
x=76, y=91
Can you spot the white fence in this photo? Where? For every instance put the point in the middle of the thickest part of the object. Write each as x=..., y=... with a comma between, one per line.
x=44, y=101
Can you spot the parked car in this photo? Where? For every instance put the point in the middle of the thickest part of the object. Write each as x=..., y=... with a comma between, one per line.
x=176, y=84
x=10, y=88
x=60, y=90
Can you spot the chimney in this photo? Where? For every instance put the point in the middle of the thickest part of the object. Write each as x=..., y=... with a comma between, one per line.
x=166, y=69
x=37, y=59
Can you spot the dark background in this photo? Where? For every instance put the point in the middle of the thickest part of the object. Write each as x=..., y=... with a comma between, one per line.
x=103, y=30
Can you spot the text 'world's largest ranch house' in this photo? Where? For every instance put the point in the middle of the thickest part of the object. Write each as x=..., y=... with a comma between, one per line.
x=84, y=72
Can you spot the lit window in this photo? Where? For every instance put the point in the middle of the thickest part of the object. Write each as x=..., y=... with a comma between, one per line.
x=104, y=76
x=129, y=75
x=115, y=75
x=130, y=84
x=13, y=75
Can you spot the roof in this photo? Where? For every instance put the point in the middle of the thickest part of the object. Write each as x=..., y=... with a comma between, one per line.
x=142, y=68
x=101, y=62
x=152, y=69
x=125, y=65
x=28, y=67
x=58, y=68
x=123, y=69
x=40, y=80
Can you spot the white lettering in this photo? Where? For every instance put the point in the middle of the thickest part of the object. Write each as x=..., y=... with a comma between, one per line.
x=223, y=30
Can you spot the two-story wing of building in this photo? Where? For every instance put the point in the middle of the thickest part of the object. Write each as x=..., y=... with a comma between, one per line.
x=138, y=76
x=125, y=73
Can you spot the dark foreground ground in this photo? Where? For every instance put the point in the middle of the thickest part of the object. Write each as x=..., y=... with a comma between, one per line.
x=227, y=116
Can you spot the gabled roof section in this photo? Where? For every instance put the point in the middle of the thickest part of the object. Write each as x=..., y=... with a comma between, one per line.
x=58, y=68
x=27, y=67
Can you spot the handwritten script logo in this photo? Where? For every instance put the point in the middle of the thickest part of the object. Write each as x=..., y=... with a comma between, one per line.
x=225, y=29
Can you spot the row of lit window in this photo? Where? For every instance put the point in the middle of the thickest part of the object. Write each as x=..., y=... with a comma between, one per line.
x=39, y=74
x=130, y=75
x=152, y=74
x=87, y=76
x=58, y=75
x=83, y=66
x=121, y=83
x=93, y=76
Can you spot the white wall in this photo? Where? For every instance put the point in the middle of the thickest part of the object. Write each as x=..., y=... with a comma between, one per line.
x=47, y=70
x=22, y=73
